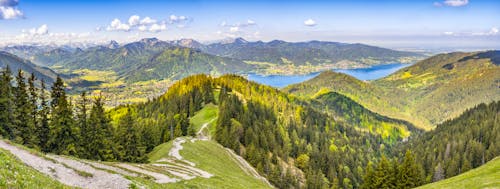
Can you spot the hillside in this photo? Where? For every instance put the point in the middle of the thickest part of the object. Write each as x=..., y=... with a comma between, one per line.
x=485, y=176
x=426, y=93
x=345, y=109
x=272, y=130
x=187, y=162
x=460, y=144
x=15, y=63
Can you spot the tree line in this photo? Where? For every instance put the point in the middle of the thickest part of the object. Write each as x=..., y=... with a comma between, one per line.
x=49, y=121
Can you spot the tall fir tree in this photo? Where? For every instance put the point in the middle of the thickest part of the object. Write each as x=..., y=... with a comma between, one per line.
x=129, y=138
x=63, y=132
x=383, y=177
x=101, y=143
x=43, y=129
x=82, y=122
x=410, y=174
x=6, y=104
x=33, y=103
x=24, y=127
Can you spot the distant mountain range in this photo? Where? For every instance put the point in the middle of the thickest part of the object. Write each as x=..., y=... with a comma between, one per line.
x=304, y=53
x=147, y=59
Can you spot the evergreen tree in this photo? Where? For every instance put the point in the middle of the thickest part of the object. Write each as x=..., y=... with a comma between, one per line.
x=63, y=132
x=101, y=145
x=33, y=98
x=82, y=122
x=6, y=104
x=24, y=128
x=129, y=139
x=43, y=129
x=384, y=175
x=410, y=173
x=369, y=178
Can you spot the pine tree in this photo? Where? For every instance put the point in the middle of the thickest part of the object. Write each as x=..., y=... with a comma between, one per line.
x=82, y=122
x=383, y=175
x=24, y=128
x=43, y=130
x=101, y=145
x=6, y=104
x=409, y=174
x=63, y=132
x=130, y=140
x=33, y=98
x=369, y=178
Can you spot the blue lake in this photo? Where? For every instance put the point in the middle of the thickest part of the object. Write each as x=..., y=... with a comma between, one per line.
x=371, y=73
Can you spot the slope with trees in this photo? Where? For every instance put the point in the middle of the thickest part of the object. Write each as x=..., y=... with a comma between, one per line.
x=426, y=93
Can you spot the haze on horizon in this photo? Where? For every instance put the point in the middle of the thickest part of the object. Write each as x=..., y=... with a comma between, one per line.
x=426, y=24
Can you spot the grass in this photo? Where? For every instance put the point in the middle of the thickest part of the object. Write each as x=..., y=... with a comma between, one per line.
x=206, y=115
x=208, y=156
x=211, y=157
x=486, y=176
x=160, y=151
x=15, y=174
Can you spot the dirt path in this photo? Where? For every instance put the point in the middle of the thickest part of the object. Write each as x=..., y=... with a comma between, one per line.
x=66, y=175
x=202, y=135
x=159, y=178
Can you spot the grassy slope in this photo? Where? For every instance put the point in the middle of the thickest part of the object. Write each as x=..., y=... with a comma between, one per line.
x=208, y=156
x=15, y=174
x=486, y=176
x=208, y=114
x=427, y=93
x=213, y=158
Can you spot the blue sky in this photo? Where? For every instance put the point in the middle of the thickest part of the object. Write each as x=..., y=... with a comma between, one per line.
x=391, y=23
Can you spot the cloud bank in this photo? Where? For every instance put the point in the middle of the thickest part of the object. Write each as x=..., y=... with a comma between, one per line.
x=9, y=10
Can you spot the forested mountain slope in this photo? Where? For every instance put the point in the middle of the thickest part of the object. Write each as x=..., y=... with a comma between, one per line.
x=460, y=144
x=15, y=63
x=284, y=138
x=426, y=93
x=453, y=147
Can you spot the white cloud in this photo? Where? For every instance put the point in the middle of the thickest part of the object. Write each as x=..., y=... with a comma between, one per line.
x=250, y=22
x=448, y=33
x=134, y=20
x=42, y=30
x=175, y=18
x=493, y=31
x=456, y=3
x=147, y=21
x=8, y=9
x=451, y=3
x=310, y=22
x=158, y=27
x=117, y=25
x=234, y=29
x=142, y=28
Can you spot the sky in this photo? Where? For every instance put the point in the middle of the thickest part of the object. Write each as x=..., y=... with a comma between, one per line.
x=387, y=23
